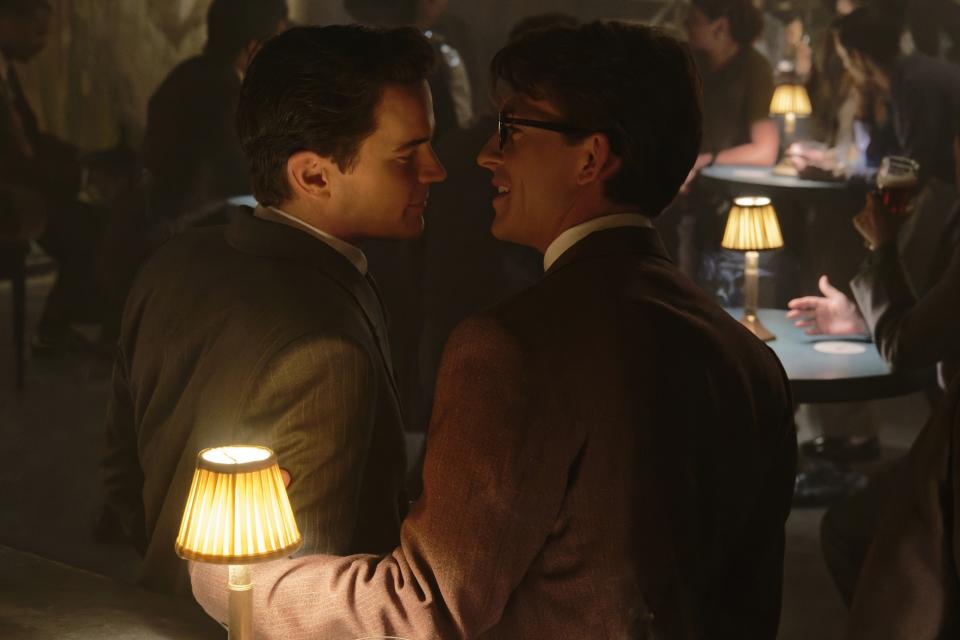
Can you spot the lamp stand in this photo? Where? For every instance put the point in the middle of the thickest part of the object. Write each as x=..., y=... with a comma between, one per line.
x=784, y=167
x=241, y=603
x=751, y=276
x=789, y=125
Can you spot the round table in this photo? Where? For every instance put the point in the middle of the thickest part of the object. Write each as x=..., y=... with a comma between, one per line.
x=736, y=180
x=816, y=376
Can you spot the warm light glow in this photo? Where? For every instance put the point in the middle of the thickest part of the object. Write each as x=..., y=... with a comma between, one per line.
x=752, y=226
x=237, y=510
x=752, y=202
x=235, y=455
x=791, y=98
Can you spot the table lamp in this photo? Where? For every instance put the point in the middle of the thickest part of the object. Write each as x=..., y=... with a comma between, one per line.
x=790, y=100
x=752, y=227
x=237, y=513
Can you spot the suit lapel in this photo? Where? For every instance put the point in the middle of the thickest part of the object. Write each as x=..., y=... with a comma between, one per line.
x=641, y=241
x=252, y=235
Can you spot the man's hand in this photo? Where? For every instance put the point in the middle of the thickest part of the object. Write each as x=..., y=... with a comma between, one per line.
x=834, y=314
x=878, y=226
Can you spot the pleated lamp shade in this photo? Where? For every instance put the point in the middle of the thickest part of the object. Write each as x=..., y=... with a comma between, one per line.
x=791, y=98
x=752, y=226
x=237, y=511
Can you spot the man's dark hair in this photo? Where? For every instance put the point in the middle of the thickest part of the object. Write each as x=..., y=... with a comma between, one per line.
x=873, y=32
x=541, y=21
x=635, y=83
x=234, y=24
x=317, y=89
x=746, y=21
x=382, y=13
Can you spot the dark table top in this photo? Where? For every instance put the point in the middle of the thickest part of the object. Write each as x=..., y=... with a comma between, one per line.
x=41, y=599
x=738, y=180
x=832, y=369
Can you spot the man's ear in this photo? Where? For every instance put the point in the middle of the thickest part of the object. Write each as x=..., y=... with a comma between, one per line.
x=309, y=174
x=600, y=162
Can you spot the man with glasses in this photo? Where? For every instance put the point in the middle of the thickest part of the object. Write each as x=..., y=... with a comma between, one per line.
x=610, y=455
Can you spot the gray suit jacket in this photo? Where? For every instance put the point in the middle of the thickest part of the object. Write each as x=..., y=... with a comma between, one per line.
x=255, y=333
x=611, y=456
x=910, y=331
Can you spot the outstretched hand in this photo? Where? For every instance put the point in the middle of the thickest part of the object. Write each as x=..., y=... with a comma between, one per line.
x=833, y=314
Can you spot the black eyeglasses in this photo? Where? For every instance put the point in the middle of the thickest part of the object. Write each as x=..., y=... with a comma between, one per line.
x=504, y=121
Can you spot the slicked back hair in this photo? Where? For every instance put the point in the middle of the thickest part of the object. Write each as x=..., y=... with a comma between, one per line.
x=317, y=89
x=634, y=83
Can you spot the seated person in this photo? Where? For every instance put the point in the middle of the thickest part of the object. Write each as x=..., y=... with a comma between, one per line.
x=737, y=129
x=923, y=92
x=190, y=145
x=910, y=331
x=737, y=84
x=40, y=180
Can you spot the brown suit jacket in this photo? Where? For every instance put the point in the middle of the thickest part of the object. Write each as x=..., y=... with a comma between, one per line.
x=255, y=333
x=909, y=587
x=610, y=456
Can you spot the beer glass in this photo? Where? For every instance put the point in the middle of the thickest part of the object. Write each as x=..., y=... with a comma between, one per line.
x=897, y=183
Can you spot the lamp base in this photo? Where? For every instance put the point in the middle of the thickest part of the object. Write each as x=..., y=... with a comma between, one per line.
x=756, y=327
x=240, y=603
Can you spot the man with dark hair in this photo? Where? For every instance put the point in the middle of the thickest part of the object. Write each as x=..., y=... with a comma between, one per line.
x=611, y=455
x=400, y=268
x=924, y=92
x=268, y=330
x=190, y=145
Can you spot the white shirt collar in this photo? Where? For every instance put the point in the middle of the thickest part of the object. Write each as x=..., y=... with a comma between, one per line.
x=347, y=250
x=573, y=235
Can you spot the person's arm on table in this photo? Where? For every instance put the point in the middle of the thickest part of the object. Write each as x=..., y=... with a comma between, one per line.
x=761, y=150
x=313, y=403
x=491, y=496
